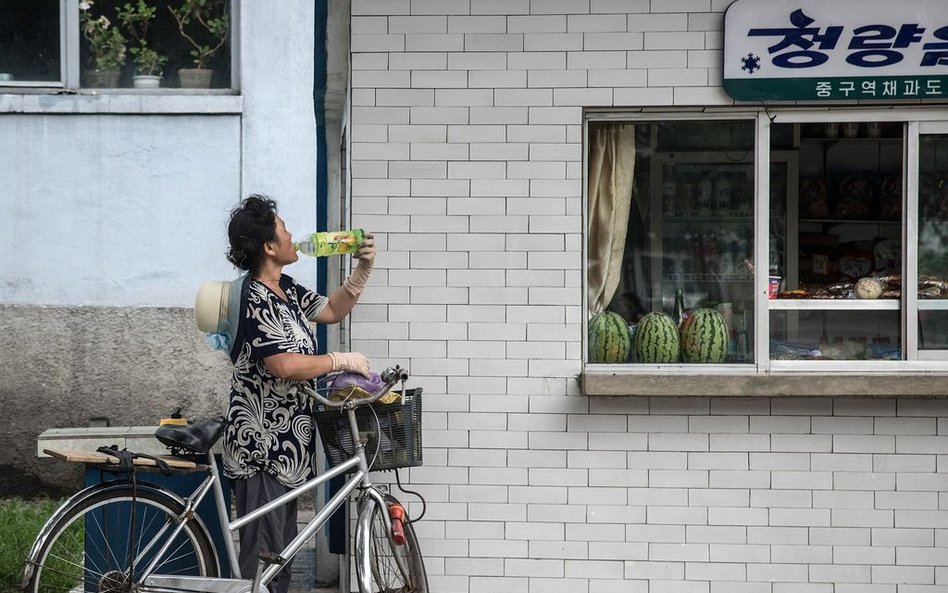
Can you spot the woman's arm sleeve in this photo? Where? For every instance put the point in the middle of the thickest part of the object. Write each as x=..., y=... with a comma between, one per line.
x=311, y=302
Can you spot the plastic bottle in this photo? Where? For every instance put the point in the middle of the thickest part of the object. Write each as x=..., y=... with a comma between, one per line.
x=727, y=265
x=705, y=195
x=722, y=194
x=669, y=190
x=331, y=243
x=774, y=257
x=678, y=314
x=696, y=254
x=711, y=253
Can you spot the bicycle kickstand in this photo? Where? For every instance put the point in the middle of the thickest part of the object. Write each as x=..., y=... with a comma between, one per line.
x=266, y=559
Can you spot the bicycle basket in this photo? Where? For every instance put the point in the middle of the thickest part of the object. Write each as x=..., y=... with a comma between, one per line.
x=394, y=441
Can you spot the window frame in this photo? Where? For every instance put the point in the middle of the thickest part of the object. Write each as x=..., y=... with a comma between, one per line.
x=761, y=377
x=71, y=70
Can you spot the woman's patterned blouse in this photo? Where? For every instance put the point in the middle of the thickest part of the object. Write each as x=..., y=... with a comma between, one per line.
x=270, y=424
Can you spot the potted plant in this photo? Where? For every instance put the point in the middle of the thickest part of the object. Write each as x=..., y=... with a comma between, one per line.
x=136, y=18
x=106, y=48
x=204, y=24
x=148, y=66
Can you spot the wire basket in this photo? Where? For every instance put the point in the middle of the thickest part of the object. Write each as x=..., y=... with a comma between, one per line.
x=394, y=438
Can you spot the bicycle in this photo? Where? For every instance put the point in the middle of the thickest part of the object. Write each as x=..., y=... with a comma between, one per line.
x=134, y=536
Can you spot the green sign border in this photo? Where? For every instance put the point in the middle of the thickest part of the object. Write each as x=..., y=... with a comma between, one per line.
x=805, y=89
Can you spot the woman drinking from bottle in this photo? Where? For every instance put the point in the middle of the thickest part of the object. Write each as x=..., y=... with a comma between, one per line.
x=269, y=441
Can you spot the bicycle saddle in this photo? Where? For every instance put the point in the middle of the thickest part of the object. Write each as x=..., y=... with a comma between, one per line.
x=197, y=437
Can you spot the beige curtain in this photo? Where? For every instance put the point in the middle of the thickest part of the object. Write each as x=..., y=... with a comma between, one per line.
x=611, y=165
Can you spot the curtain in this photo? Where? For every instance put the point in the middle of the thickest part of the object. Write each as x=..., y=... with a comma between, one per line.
x=609, y=192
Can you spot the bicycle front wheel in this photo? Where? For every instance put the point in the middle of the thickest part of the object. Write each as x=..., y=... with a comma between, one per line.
x=104, y=541
x=393, y=567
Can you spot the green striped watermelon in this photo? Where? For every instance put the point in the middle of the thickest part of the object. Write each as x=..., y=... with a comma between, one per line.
x=655, y=339
x=704, y=337
x=608, y=338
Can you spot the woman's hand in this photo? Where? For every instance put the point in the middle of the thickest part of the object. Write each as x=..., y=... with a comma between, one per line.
x=366, y=252
x=354, y=362
x=344, y=298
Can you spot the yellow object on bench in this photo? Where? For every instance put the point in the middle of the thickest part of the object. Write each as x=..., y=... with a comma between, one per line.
x=173, y=420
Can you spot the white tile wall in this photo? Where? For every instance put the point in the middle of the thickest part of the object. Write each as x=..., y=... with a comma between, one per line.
x=467, y=161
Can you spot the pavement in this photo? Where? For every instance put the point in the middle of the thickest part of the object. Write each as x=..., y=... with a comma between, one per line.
x=304, y=571
x=304, y=565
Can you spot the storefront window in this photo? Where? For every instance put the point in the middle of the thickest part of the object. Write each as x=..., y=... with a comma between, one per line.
x=671, y=242
x=933, y=242
x=823, y=256
x=835, y=266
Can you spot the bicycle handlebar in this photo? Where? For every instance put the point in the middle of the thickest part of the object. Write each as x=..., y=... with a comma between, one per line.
x=390, y=377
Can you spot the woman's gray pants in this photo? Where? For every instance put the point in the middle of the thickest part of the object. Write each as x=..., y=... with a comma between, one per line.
x=271, y=532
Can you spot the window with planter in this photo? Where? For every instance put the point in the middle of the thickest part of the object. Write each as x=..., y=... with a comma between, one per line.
x=764, y=242
x=146, y=44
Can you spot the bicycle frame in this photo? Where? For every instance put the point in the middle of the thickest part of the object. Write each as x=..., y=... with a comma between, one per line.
x=359, y=479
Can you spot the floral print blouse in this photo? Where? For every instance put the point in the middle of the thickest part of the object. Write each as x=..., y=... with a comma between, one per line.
x=270, y=423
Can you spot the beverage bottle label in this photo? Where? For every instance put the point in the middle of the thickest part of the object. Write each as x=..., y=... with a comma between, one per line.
x=326, y=243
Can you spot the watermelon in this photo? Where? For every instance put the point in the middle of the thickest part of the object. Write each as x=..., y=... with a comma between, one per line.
x=656, y=339
x=608, y=338
x=704, y=337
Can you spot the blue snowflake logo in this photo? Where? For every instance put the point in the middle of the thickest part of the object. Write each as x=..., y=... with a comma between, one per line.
x=750, y=63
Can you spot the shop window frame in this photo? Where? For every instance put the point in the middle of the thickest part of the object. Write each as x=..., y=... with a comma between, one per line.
x=914, y=375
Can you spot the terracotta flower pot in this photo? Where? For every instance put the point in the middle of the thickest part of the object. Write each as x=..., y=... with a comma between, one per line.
x=195, y=78
x=102, y=79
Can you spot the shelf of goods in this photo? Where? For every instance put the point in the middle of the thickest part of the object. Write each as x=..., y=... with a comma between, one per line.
x=834, y=304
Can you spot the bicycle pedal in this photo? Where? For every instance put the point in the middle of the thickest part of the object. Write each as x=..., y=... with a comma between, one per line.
x=271, y=558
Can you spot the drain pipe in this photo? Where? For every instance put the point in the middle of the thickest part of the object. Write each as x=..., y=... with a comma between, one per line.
x=327, y=566
x=320, y=61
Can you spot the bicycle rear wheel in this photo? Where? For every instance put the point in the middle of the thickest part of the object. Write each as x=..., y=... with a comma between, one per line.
x=103, y=541
x=383, y=555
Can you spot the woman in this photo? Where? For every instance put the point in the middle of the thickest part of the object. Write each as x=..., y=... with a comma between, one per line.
x=269, y=437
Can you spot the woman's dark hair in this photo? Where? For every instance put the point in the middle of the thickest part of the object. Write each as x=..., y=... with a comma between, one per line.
x=252, y=223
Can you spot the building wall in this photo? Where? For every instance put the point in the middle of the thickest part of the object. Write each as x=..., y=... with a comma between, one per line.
x=466, y=131
x=114, y=213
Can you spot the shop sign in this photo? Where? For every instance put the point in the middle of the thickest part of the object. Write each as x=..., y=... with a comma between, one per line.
x=840, y=50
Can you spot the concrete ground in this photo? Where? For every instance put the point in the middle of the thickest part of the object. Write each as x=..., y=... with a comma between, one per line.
x=304, y=565
x=304, y=573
